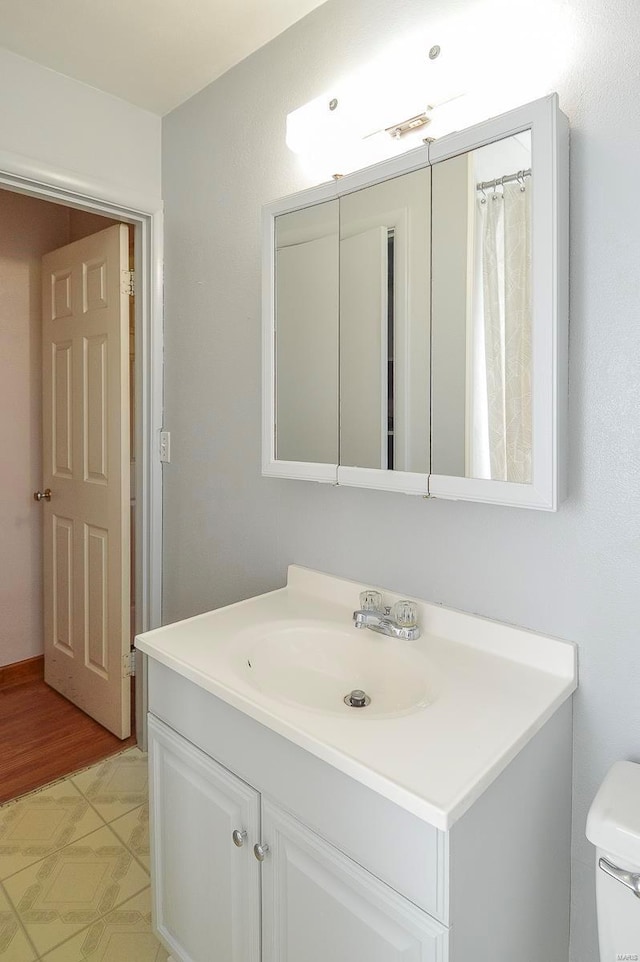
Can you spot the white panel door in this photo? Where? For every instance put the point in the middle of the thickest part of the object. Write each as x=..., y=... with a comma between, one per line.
x=364, y=349
x=319, y=906
x=206, y=888
x=86, y=468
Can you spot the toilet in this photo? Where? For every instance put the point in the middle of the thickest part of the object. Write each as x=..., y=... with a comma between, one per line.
x=613, y=826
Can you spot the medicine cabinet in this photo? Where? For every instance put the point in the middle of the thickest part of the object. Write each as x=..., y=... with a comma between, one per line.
x=415, y=319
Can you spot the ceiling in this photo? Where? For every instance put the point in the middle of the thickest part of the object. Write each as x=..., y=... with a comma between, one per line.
x=152, y=53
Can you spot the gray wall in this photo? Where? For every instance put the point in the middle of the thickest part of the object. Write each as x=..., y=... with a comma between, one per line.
x=229, y=533
x=84, y=134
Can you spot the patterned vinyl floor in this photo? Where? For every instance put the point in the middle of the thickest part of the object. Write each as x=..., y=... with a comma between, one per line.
x=74, y=869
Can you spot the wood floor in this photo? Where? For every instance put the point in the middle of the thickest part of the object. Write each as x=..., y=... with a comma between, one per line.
x=44, y=737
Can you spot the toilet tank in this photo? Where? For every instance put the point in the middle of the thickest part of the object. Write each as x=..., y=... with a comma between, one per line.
x=613, y=826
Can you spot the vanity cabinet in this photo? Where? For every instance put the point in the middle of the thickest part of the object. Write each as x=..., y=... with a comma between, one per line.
x=211, y=889
x=348, y=873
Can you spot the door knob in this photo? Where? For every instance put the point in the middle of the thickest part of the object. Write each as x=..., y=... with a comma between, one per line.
x=42, y=495
x=260, y=851
x=239, y=837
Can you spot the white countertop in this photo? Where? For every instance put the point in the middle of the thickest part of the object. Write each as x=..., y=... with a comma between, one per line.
x=494, y=686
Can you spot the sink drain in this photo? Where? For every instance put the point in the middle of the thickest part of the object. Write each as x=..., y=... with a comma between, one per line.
x=357, y=699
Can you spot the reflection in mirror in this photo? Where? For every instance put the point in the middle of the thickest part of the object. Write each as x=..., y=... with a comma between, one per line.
x=384, y=325
x=481, y=313
x=306, y=334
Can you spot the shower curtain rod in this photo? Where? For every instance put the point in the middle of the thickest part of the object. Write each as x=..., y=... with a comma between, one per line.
x=507, y=179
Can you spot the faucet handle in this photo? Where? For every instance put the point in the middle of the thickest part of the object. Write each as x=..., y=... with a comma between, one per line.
x=370, y=600
x=405, y=614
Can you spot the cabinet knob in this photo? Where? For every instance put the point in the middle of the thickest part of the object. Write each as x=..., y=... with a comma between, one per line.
x=239, y=837
x=260, y=851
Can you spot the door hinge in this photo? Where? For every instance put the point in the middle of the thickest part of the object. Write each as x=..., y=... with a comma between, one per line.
x=165, y=446
x=129, y=663
x=128, y=283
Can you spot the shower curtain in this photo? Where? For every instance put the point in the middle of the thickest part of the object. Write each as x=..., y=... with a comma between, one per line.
x=501, y=396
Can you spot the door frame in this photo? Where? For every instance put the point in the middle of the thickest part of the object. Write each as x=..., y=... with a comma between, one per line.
x=42, y=180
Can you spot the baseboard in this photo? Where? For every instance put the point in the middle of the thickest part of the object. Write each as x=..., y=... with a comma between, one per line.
x=32, y=669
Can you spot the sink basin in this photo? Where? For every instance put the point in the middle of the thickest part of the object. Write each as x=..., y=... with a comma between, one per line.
x=315, y=665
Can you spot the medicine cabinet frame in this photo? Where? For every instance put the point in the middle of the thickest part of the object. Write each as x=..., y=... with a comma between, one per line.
x=549, y=285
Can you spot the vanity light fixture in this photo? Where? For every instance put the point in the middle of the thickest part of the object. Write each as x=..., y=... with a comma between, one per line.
x=355, y=123
x=469, y=65
x=408, y=126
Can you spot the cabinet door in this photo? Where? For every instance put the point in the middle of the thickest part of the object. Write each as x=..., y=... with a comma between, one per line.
x=499, y=243
x=206, y=889
x=320, y=906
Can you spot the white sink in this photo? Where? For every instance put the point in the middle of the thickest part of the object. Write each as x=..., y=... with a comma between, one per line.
x=314, y=665
x=448, y=711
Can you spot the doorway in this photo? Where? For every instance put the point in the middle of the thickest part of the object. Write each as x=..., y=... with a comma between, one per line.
x=50, y=218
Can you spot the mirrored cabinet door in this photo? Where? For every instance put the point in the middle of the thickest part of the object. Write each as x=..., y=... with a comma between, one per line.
x=384, y=333
x=481, y=300
x=306, y=334
x=300, y=337
x=499, y=311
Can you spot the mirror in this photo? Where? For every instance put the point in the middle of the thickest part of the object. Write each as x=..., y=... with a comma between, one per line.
x=352, y=281
x=384, y=325
x=482, y=313
x=306, y=334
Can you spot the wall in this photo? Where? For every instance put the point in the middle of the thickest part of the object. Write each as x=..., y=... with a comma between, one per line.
x=230, y=533
x=58, y=121
x=28, y=229
x=82, y=223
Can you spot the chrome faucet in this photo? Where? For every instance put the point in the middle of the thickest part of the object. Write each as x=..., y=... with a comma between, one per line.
x=396, y=622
